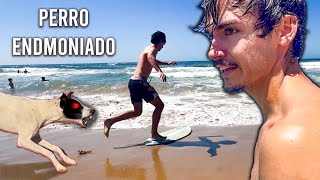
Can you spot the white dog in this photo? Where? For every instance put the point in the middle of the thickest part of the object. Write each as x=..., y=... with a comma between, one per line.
x=25, y=116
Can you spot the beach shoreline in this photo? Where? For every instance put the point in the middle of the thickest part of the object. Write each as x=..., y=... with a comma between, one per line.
x=208, y=153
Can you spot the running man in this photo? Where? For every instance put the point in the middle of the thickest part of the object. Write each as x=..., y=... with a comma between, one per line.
x=141, y=89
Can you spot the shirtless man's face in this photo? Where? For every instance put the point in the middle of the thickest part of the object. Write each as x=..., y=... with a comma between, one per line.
x=160, y=45
x=243, y=59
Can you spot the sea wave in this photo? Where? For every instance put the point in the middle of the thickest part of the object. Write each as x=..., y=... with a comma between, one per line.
x=192, y=95
x=310, y=65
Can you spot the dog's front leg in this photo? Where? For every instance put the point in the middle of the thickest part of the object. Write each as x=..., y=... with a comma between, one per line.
x=37, y=139
x=26, y=143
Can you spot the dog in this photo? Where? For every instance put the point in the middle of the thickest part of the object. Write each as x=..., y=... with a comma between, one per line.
x=24, y=117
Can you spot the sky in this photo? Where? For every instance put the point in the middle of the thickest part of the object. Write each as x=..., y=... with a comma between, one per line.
x=130, y=23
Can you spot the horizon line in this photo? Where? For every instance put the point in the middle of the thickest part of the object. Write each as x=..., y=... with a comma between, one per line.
x=120, y=62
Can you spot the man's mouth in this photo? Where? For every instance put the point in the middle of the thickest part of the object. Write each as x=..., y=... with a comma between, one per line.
x=226, y=69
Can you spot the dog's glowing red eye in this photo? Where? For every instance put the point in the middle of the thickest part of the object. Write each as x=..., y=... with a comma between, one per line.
x=75, y=105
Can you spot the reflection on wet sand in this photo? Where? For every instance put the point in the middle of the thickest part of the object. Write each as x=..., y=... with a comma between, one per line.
x=136, y=171
x=158, y=167
x=124, y=171
x=34, y=171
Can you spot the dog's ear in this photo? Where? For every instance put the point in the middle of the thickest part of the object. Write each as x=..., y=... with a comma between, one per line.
x=63, y=100
x=69, y=95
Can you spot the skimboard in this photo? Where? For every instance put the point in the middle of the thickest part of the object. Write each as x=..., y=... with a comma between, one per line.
x=172, y=136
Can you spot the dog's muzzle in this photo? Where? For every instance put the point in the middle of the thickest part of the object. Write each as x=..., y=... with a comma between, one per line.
x=85, y=120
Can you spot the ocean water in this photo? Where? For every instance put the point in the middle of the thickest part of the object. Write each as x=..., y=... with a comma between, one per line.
x=193, y=94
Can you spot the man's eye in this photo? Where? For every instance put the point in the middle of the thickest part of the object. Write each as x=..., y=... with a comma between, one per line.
x=230, y=31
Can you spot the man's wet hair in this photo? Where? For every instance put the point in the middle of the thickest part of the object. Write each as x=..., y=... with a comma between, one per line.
x=268, y=12
x=158, y=37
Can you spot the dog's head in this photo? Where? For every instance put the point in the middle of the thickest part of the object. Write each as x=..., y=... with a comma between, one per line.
x=75, y=111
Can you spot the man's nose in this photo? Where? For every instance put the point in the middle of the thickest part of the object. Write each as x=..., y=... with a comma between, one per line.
x=215, y=52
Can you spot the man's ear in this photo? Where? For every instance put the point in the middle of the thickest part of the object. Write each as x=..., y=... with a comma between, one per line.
x=288, y=29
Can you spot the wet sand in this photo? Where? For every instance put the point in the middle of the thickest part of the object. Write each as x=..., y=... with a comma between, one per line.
x=208, y=153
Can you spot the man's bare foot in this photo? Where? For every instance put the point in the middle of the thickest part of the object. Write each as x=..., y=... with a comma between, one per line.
x=107, y=126
x=158, y=137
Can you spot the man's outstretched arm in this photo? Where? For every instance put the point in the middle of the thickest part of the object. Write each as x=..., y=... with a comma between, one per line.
x=166, y=63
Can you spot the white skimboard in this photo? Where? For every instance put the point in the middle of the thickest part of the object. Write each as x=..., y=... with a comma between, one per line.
x=172, y=135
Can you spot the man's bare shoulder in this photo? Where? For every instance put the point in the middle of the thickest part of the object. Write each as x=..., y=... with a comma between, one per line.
x=147, y=52
x=290, y=149
x=149, y=49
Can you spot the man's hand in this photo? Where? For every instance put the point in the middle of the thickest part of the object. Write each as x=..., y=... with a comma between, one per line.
x=162, y=76
x=172, y=63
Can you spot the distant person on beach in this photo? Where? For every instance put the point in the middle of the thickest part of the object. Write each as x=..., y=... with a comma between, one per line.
x=25, y=71
x=18, y=71
x=256, y=46
x=141, y=89
x=11, y=83
x=44, y=79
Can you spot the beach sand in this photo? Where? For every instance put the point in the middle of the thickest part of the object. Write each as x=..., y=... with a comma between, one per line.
x=208, y=153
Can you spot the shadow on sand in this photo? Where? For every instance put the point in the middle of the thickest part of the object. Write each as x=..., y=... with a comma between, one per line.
x=203, y=142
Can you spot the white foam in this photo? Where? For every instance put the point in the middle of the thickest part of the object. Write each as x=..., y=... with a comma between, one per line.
x=186, y=72
x=197, y=109
x=310, y=65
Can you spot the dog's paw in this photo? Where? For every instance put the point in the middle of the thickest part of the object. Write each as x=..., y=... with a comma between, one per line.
x=60, y=168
